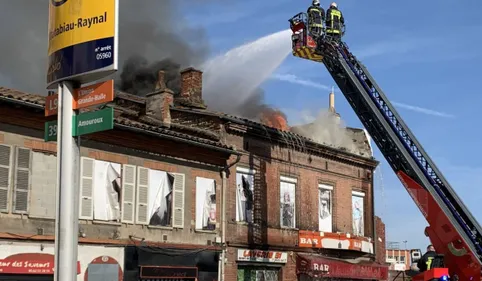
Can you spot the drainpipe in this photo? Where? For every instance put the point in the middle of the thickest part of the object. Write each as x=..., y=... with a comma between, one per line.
x=224, y=186
x=375, y=236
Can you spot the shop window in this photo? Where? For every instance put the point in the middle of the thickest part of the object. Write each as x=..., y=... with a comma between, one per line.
x=288, y=202
x=244, y=195
x=258, y=274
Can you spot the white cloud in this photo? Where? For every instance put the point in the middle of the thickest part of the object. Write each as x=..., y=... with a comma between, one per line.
x=423, y=110
x=290, y=78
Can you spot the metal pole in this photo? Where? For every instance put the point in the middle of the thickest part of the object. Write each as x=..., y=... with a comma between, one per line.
x=68, y=158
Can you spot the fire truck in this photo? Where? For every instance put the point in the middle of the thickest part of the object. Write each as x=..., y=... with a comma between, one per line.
x=452, y=229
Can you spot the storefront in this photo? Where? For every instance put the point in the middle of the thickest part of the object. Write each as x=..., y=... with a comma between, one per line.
x=258, y=265
x=155, y=264
x=35, y=262
x=315, y=267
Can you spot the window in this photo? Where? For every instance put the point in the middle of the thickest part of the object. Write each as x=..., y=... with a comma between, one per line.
x=358, y=213
x=100, y=190
x=288, y=202
x=257, y=273
x=325, y=212
x=402, y=259
x=205, y=204
x=244, y=195
x=160, y=198
x=15, y=177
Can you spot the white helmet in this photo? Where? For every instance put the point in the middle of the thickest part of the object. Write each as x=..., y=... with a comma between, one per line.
x=333, y=4
x=316, y=2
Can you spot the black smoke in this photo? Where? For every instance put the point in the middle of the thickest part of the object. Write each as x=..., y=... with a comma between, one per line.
x=153, y=36
x=149, y=31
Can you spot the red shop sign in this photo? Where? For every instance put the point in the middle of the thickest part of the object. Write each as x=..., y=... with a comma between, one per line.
x=324, y=267
x=29, y=264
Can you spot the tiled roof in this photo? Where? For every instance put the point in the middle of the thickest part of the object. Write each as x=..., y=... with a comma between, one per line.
x=7, y=93
x=160, y=130
x=39, y=101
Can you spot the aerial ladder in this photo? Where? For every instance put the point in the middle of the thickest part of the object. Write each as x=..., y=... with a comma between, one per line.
x=452, y=229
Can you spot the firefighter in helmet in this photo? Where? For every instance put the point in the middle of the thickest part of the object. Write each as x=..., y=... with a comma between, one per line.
x=335, y=23
x=316, y=18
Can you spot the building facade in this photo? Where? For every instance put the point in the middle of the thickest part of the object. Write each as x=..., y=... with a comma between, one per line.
x=176, y=190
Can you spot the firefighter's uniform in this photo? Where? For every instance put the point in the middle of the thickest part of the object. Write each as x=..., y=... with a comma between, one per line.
x=316, y=18
x=334, y=22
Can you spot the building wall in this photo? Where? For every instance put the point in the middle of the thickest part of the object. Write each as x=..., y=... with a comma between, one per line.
x=271, y=162
x=380, y=240
x=41, y=205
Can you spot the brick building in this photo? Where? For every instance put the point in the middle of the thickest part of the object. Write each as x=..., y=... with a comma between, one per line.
x=173, y=182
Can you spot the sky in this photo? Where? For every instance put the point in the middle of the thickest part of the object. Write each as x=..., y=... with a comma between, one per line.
x=421, y=54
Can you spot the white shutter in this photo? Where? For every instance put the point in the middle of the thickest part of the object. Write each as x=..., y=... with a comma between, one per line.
x=178, y=201
x=22, y=181
x=128, y=193
x=5, y=164
x=142, y=214
x=86, y=208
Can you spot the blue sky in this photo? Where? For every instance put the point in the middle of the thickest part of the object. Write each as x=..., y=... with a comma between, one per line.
x=423, y=55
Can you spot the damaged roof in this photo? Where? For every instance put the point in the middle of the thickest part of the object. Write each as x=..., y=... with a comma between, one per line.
x=129, y=115
x=126, y=117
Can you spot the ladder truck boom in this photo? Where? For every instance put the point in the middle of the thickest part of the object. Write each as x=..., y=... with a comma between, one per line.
x=452, y=229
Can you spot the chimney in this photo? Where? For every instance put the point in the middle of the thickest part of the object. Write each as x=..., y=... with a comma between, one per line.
x=191, y=88
x=158, y=103
x=332, y=100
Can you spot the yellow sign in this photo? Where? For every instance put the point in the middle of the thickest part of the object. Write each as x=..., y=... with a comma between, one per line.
x=82, y=39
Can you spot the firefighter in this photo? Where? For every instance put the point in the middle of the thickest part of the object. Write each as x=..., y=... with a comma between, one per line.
x=335, y=22
x=425, y=262
x=316, y=18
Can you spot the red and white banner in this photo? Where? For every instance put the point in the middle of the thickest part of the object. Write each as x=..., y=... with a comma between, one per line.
x=29, y=264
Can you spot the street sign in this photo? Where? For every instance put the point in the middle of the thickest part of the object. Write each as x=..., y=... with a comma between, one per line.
x=83, y=41
x=51, y=105
x=93, y=95
x=50, y=133
x=91, y=122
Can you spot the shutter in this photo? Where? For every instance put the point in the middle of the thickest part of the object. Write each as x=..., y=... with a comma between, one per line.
x=22, y=181
x=5, y=164
x=178, y=201
x=86, y=208
x=142, y=195
x=128, y=193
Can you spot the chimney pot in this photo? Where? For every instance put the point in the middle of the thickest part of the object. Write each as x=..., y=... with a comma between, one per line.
x=161, y=80
x=158, y=105
x=191, y=87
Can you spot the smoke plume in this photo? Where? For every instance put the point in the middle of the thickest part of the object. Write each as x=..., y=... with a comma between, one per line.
x=153, y=29
x=327, y=128
x=153, y=36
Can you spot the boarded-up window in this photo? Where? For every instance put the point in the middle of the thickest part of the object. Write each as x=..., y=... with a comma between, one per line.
x=44, y=182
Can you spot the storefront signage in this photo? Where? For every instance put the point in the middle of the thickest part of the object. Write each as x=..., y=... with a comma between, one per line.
x=325, y=240
x=168, y=272
x=262, y=256
x=29, y=264
x=324, y=267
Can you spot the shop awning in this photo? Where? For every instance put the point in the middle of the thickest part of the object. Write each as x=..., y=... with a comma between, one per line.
x=319, y=266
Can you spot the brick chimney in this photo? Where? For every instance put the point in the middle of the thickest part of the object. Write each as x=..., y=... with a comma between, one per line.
x=158, y=102
x=191, y=88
